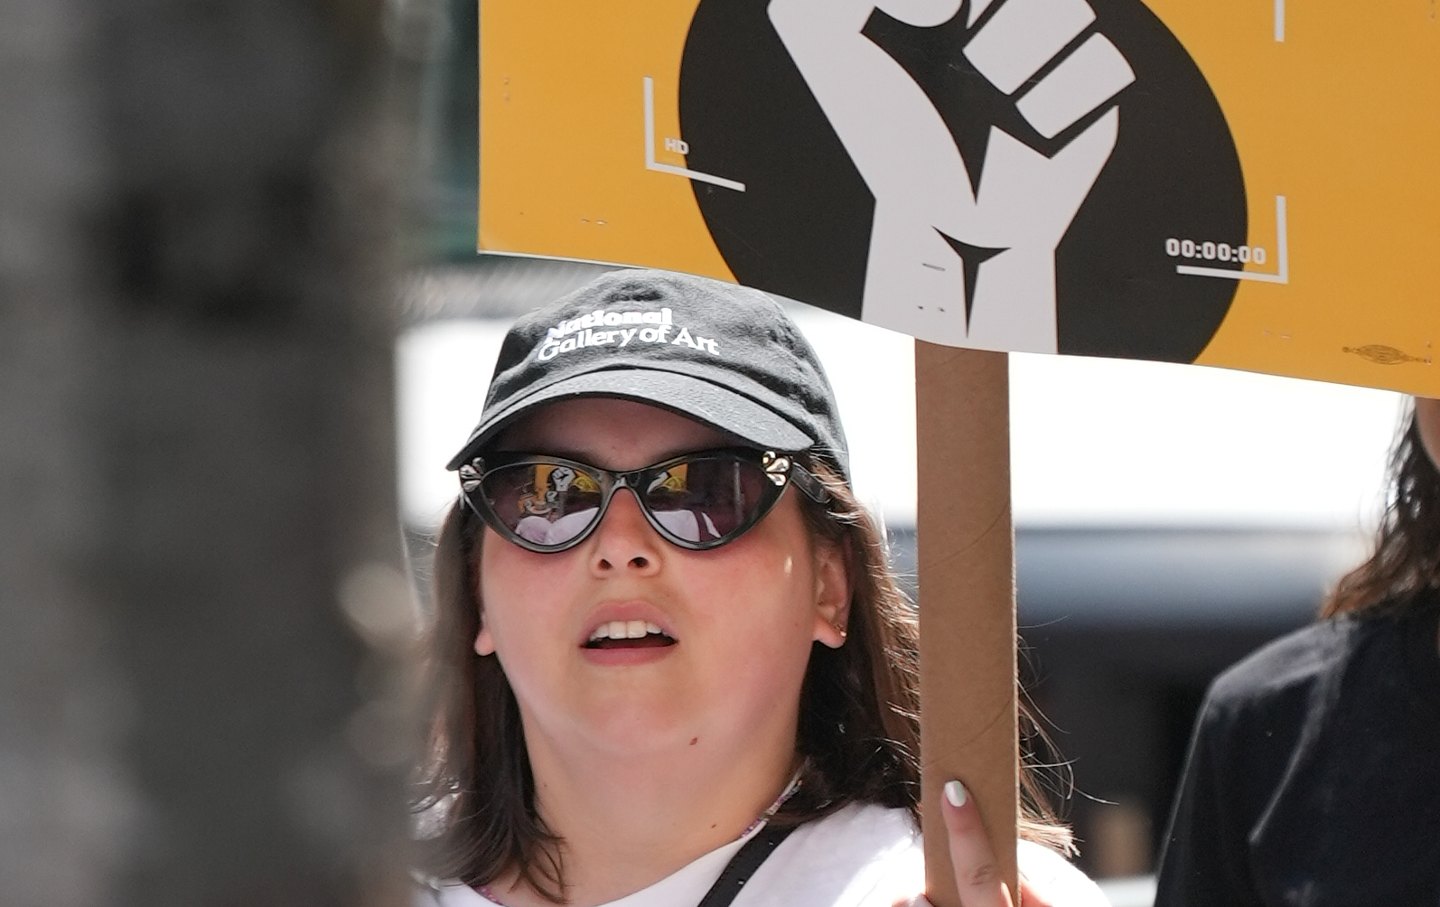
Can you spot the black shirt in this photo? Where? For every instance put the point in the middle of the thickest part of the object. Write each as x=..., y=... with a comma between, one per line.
x=1314, y=772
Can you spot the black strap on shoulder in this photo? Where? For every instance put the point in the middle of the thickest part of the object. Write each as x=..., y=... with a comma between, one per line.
x=743, y=865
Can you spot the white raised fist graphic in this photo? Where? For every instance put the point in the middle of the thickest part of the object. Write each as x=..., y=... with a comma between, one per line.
x=927, y=216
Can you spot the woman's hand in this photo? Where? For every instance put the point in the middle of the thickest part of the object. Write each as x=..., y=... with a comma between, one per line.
x=1046, y=878
x=977, y=875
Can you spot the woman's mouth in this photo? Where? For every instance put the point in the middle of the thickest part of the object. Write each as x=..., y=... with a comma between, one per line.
x=628, y=634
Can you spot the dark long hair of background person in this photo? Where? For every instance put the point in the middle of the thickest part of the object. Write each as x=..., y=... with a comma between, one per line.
x=1406, y=558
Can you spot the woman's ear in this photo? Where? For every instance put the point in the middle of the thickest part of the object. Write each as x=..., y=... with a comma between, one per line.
x=484, y=641
x=484, y=644
x=832, y=593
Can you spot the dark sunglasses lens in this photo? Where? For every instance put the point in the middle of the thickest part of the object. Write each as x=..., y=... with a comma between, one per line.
x=548, y=505
x=706, y=500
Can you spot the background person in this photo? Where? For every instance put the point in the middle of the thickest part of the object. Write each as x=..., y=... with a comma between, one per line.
x=1314, y=772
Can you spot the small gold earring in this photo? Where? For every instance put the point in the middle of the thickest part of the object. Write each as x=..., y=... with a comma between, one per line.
x=840, y=628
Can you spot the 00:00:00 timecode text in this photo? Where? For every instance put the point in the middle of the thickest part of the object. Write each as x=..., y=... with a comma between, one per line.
x=1214, y=251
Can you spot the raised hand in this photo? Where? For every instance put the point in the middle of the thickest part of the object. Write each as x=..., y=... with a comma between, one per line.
x=1046, y=879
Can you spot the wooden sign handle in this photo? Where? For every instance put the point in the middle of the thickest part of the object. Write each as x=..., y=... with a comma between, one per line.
x=965, y=541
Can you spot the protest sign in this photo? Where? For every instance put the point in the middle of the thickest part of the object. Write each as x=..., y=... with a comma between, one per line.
x=1235, y=184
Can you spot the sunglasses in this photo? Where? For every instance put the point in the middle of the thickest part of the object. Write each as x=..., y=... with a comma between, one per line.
x=696, y=501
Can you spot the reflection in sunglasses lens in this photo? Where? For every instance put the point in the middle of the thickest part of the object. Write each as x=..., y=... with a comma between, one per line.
x=703, y=500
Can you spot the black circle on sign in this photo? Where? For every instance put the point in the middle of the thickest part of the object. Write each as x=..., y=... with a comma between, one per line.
x=801, y=228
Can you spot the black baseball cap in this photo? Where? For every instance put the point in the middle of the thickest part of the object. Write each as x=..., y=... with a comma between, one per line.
x=721, y=354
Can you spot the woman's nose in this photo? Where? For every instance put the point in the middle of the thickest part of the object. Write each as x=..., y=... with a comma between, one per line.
x=625, y=540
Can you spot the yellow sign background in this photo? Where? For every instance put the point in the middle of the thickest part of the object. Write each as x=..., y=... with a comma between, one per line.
x=1332, y=108
x=562, y=151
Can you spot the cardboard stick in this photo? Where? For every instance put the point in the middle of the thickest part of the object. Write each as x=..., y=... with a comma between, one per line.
x=967, y=599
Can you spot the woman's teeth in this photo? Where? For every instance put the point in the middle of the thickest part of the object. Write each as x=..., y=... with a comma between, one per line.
x=625, y=629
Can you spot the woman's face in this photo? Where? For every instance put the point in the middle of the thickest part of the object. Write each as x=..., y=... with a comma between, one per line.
x=1427, y=414
x=737, y=621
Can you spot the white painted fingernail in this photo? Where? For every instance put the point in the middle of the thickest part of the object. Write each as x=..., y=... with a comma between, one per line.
x=956, y=793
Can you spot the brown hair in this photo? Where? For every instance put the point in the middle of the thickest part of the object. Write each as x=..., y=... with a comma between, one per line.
x=859, y=728
x=1406, y=555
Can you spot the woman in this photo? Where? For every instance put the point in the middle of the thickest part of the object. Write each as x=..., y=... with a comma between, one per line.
x=1314, y=773
x=659, y=670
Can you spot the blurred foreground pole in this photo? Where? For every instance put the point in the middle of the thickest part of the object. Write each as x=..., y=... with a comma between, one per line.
x=200, y=592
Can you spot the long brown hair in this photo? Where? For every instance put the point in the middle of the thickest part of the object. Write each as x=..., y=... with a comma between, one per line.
x=1406, y=556
x=859, y=725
